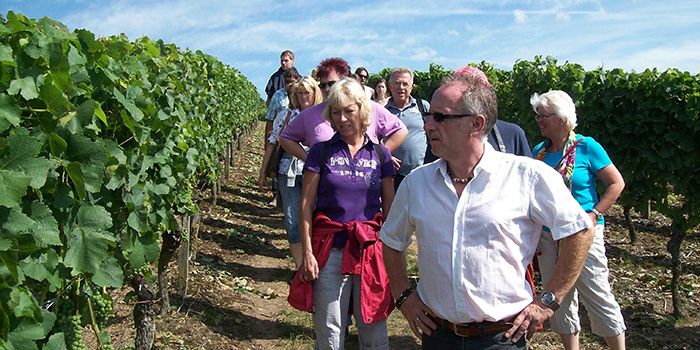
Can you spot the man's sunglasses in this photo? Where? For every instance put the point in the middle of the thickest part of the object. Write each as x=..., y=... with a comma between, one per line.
x=328, y=83
x=439, y=117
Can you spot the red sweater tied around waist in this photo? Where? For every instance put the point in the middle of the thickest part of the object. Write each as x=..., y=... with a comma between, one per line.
x=375, y=295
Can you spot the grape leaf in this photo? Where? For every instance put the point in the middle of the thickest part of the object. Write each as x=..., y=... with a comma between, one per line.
x=13, y=222
x=142, y=249
x=13, y=186
x=42, y=267
x=25, y=86
x=45, y=227
x=21, y=157
x=9, y=112
x=87, y=239
x=109, y=274
x=91, y=157
x=6, y=54
x=23, y=304
x=56, y=342
x=26, y=334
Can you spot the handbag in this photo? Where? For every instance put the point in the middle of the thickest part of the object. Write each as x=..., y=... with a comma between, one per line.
x=277, y=152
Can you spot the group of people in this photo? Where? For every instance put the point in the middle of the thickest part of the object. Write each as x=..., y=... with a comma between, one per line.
x=362, y=174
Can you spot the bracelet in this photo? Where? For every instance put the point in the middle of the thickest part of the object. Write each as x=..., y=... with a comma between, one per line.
x=403, y=297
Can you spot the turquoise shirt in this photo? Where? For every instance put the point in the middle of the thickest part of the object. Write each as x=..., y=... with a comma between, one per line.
x=590, y=157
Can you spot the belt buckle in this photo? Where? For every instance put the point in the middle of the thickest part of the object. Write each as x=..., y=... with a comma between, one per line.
x=457, y=333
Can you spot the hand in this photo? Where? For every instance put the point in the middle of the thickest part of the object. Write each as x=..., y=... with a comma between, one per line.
x=262, y=183
x=416, y=313
x=594, y=218
x=397, y=162
x=308, y=268
x=528, y=320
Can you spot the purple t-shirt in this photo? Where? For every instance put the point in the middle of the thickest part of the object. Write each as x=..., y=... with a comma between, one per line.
x=349, y=191
x=310, y=128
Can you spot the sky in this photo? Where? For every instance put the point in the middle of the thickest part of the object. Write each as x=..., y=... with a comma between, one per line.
x=250, y=35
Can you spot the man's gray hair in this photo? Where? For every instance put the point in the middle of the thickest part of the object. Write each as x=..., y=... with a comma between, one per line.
x=477, y=99
x=400, y=70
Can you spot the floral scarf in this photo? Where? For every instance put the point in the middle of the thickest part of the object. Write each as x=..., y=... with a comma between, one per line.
x=565, y=167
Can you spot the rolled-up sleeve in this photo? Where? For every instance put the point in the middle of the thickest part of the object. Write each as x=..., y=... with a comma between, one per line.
x=552, y=205
x=397, y=231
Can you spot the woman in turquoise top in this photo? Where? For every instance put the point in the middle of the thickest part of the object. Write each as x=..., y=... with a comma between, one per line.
x=581, y=161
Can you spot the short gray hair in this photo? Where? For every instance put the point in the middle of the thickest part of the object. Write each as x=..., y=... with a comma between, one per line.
x=477, y=99
x=559, y=103
x=400, y=70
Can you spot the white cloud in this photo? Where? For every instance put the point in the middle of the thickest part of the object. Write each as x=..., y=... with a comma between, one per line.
x=424, y=53
x=520, y=16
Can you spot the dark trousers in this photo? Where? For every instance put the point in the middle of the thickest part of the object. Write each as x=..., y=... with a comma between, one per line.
x=445, y=339
x=397, y=181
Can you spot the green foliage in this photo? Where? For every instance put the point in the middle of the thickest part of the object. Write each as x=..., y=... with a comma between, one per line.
x=648, y=122
x=102, y=144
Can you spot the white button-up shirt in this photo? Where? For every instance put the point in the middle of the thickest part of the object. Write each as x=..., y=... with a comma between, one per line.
x=473, y=250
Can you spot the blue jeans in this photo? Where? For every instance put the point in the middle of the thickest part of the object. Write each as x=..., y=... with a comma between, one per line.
x=445, y=339
x=291, y=200
x=332, y=293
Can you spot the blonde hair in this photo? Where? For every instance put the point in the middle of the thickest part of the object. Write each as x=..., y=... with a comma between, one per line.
x=346, y=92
x=309, y=84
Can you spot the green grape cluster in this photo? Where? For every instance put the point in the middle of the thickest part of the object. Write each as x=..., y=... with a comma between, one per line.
x=68, y=322
x=143, y=270
x=101, y=308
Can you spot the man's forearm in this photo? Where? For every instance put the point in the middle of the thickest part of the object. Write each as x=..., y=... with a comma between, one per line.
x=268, y=130
x=572, y=256
x=395, y=264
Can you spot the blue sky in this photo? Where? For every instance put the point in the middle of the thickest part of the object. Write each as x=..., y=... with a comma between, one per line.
x=249, y=35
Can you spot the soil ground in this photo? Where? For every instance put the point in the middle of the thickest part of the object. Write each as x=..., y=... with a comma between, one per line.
x=236, y=296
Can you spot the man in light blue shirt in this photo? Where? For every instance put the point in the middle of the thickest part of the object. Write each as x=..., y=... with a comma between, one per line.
x=411, y=153
x=280, y=99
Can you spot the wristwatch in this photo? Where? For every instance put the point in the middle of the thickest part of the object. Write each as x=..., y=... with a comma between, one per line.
x=549, y=300
x=598, y=215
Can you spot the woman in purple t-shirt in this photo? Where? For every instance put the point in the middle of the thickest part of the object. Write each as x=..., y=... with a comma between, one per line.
x=347, y=190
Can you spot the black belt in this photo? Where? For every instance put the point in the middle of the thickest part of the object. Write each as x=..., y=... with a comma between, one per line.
x=474, y=329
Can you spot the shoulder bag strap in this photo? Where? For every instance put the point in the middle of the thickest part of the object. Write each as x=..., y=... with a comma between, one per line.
x=499, y=138
x=286, y=121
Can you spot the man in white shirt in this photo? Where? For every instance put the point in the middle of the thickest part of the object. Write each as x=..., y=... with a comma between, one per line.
x=477, y=215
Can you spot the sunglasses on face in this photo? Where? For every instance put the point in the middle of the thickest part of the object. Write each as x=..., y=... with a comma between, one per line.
x=439, y=117
x=362, y=76
x=328, y=84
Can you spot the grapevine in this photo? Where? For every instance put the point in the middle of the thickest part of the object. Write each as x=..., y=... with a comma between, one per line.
x=103, y=142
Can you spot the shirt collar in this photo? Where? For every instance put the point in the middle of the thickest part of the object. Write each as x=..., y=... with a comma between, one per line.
x=411, y=103
x=336, y=138
x=489, y=163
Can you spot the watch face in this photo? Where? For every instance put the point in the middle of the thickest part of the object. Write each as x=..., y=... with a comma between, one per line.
x=547, y=298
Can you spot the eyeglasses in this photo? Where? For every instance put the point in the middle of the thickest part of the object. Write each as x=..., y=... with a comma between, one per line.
x=362, y=76
x=439, y=117
x=328, y=83
x=542, y=116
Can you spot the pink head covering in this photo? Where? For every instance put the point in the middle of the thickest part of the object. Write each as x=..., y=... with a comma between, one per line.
x=469, y=71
